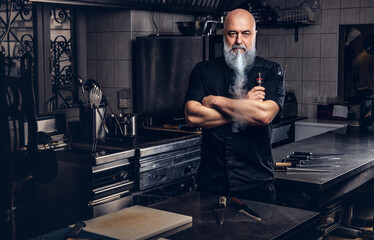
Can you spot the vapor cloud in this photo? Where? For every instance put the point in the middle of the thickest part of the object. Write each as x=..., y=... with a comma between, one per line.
x=240, y=63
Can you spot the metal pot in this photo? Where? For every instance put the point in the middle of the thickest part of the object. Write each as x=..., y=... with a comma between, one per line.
x=196, y=28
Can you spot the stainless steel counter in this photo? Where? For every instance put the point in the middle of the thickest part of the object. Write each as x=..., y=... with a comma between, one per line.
x=278, y=222
x=346, y=172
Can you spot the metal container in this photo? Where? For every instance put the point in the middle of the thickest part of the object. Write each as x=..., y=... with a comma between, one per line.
x=129, y=125
x=91, y=123
x=195, y=28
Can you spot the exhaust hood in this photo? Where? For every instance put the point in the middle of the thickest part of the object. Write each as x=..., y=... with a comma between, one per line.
x=182, y=6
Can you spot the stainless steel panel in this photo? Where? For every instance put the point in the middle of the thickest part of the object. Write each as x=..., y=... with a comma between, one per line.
x=111, y=206
x=168, y=174
x=163, y=69
x=280, y=133
x=111, y=165
x=147, y=151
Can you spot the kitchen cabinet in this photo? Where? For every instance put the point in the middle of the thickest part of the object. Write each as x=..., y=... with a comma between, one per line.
x=90, y=184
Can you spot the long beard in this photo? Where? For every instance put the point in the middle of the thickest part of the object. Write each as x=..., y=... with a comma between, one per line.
x=239, y=62
x=236, y=60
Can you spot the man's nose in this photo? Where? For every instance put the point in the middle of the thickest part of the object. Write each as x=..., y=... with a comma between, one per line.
x=239, y=39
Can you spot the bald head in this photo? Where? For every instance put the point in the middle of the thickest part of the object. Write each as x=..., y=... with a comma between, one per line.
x=240, y=15
x=240, y=30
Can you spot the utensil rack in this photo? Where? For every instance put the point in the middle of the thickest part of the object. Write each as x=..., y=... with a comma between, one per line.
x=297, y=18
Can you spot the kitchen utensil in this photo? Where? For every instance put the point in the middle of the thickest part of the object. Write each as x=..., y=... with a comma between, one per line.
x=219, y=212
x=316, y=154
x=244, y=209
x=129, y=125
x=301, y=157
x=195, y=28
x=292, y=164
x=89, y=84
x=136, y=222
x=74, y=232
x=81, y=83
x=297, y=169
x=95, y=97
x=106, y=103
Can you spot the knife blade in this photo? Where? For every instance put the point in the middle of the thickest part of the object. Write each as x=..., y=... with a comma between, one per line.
x=219, y=213
x=244, y=209
x=310, y=157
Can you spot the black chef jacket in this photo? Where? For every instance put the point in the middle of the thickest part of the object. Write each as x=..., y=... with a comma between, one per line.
x=235, y=161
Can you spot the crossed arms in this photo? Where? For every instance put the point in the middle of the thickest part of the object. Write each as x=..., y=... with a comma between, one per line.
x=215, y=111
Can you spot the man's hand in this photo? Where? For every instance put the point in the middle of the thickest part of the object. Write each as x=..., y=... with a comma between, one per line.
x=257, y=93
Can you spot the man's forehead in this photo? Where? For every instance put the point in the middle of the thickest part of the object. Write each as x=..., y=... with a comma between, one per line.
x=239, y=24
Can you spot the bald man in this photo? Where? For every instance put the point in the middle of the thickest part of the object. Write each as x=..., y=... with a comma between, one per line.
x=224, y=99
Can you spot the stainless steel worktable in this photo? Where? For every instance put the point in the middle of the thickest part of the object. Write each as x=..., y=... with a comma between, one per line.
x=278, y=222
x=346, y=172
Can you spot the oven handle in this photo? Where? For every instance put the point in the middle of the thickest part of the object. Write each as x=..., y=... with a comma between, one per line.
x=104, y=189
x=107, y=199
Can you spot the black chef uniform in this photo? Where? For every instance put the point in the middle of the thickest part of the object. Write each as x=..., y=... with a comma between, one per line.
x=235, y=161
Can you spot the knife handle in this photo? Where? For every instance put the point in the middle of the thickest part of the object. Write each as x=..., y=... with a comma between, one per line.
x=280, y=169
x=222, y=201
x=293, y=156
x=74, y=232
x=283, y=164
x=302, y=153
x=236, y=201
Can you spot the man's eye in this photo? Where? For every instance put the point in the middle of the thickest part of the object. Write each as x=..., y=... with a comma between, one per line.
x=232, y=34
x=246, y=34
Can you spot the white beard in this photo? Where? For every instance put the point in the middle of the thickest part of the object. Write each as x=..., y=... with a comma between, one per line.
x=236, y=60
x=240, y=63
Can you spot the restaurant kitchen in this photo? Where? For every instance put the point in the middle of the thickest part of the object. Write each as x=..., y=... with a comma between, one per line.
x=65, y=55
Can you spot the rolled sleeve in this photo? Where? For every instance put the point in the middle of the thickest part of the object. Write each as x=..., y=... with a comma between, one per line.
x=275, y=91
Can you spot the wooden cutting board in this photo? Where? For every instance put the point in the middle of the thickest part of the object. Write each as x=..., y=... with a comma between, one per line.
x=136, y=222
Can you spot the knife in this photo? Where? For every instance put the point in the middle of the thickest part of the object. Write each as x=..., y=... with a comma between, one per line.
x=74, y=232
x=291, y=169
x=310, y=157
x=219, y=212
x=244, y=209
x=298, y=165
x=317, y=154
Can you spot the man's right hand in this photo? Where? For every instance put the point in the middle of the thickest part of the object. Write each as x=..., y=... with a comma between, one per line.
x=257, y=93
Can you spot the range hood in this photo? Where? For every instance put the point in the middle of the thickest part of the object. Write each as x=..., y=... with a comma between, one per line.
x=182, y=6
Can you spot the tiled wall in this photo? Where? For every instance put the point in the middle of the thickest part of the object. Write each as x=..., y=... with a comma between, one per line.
x=311, y=64
x=110, y=36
